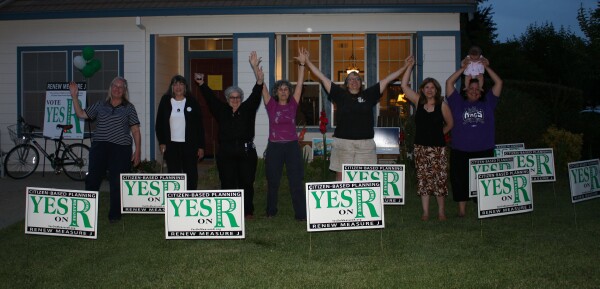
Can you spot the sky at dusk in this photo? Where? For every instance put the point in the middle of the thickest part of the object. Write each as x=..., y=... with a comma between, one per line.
x=513, y=16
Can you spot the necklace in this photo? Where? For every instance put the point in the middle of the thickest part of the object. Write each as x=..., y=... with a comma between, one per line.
x=179, y=105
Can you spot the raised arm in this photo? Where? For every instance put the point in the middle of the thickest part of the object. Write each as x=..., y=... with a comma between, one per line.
x=408, y=92
x=448, y=120
x=74, y=95
x=255, y=63
x=392, y=76
x=303, y=55
x=454, y=77
x=497, y=88
x=324, y=80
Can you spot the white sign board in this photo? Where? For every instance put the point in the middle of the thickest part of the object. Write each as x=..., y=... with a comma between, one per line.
x=539, y=161
x=59, y=109
x=584, y=180
x=344, y=206
x=145, y=193
x=58, y=212
x=499, y=148
x=392, y=177
x=204, y=214
x=485, y=165
x=504, y=193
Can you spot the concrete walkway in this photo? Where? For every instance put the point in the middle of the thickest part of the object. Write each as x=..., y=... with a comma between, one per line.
x=12, y=193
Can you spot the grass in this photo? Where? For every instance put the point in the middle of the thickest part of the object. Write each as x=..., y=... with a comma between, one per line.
x=556, y=246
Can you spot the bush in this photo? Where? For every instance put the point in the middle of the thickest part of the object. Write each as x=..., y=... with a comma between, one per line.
x=520, y=118
x=147, y=166
x=566, y=145
x=589, y=126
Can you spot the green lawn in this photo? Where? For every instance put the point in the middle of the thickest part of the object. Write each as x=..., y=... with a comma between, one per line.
x=556, y=246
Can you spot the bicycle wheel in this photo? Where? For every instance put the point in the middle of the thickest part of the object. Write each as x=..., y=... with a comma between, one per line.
x=21, y=161
x=75, y=161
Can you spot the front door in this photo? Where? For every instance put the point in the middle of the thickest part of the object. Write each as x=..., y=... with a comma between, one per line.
x=218, y=73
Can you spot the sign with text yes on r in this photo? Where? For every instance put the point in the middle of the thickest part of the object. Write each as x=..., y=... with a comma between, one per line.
x=205, y=214
x=59, y=109
x=344, y=206
x=145, y=193
x=584, y=180
x=392, y=177
x=539, y=161
x=485, y=165
x=504, y=193
x=64, y=213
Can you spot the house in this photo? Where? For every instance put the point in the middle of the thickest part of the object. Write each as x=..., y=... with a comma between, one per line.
x=149, y=41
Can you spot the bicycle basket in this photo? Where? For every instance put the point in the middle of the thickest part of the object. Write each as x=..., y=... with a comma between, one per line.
x=16, y=133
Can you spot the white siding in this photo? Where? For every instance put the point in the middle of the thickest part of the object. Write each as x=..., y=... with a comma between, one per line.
x=439, y=60
x=246, y=81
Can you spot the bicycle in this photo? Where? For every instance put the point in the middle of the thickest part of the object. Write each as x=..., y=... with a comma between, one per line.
x=22, y=160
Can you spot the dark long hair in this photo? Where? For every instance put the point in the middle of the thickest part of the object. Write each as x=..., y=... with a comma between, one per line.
x=180, y=79
x=438, y=91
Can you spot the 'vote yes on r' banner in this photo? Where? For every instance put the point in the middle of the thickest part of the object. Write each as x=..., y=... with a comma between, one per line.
x=504, y=193
x=584, y=180
x=539, y=161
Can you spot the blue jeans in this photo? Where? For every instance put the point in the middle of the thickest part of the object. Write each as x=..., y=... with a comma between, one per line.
x=288, y=154
x=114, y=158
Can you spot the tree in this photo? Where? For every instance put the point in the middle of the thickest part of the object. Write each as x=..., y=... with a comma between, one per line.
x=589, y=22
x=478, y=29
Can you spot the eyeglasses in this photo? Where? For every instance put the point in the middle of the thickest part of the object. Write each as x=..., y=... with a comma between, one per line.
x=234, y=97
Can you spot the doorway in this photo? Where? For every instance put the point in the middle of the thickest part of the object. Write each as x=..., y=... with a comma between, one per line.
x=218, y=73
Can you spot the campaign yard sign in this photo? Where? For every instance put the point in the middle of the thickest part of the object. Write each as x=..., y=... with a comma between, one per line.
x=539, y=161
x=332, y=206
x=145, y=193
x=205, y=214
x=392, y=177
x=484, y=165
x=499, y=148
x=64, y=213
x=584, y=180
x=504, y=193
x=59, y=109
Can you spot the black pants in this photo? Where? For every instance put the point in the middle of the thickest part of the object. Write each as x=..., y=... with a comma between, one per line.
x=114, y=158
x=181, y=157
x=288, y=154
x=237, y=170
x=459, y=171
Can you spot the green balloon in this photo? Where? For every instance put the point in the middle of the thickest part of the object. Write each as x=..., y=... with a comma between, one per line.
x=88, y=71
x=95, y=64
x=88, y=53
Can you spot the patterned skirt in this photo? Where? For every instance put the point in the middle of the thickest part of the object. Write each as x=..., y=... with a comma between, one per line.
x=432, y=170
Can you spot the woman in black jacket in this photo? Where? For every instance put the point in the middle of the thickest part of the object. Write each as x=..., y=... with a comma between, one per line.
x=180, y=131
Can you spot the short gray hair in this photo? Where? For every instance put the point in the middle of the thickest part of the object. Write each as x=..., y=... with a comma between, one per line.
x=233, y=89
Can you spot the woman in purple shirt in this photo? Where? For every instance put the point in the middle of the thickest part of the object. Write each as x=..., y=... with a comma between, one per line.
x=474, y=129
x=283, y=148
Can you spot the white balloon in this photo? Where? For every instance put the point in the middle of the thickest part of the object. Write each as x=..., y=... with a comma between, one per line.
x=79, y=62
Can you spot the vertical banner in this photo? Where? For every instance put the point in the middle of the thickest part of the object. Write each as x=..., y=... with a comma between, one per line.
x=500, y=148
x=217, y=214
x=59, y=110
x=584, y=180
x=392, y=177
x=145, y=193
x=486, y=165
x=504, y=193
x=64, y=213
x=344, y=206
x=539, y=161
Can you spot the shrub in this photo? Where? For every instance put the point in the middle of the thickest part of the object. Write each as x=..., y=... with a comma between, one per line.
x=147, y=166
x=566, y=145
x=520, y=118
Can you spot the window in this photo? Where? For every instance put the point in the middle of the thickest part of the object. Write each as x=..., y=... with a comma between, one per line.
x=392, y=50
x=348, y=52
x=40, y=66
x=210, y=44
x=310, y=105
